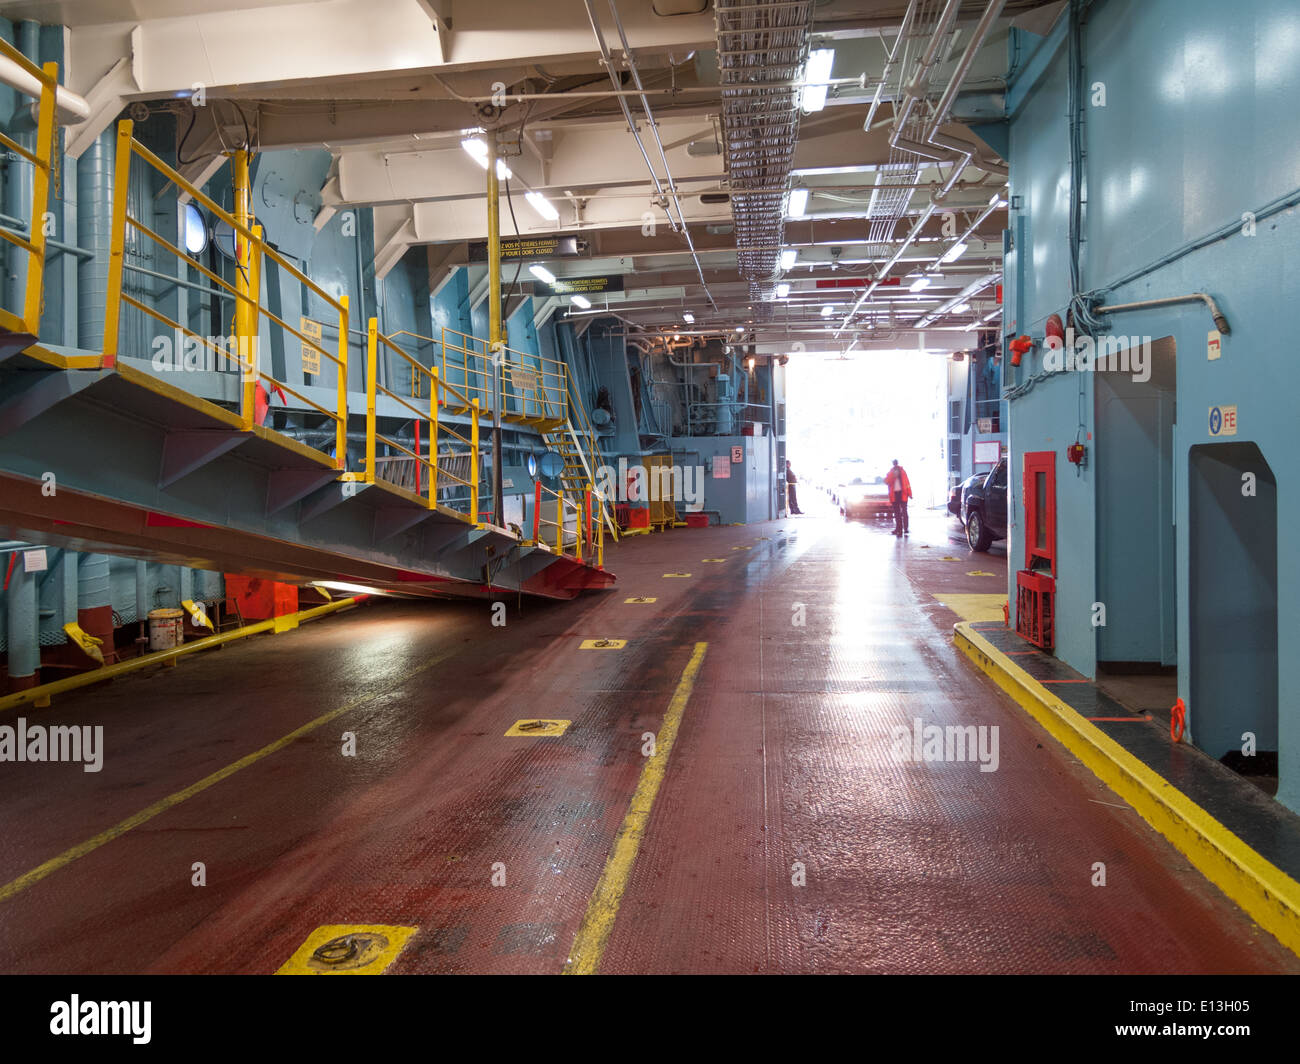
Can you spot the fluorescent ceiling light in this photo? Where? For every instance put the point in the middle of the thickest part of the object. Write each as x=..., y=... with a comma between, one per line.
x=689, y=318
x=542, y=206
x=827, y=310
x=788, y=257
x=996, y=200
x=782, y=290
x=739, y=329
x=960, y=308
x=798, y=202
x=477, y=148
x=954, y=252
x=582, y=301
x=339, y=585
x=918, y=284
x=816, y=74
x=542, y=273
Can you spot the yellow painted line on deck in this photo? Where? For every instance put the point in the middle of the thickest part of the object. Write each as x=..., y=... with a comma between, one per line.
x=27, y=879
x=974, y=607
x=1266, y=893
x=598, y=923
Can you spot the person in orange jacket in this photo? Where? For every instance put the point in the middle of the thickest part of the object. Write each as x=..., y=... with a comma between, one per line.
x=900, y=490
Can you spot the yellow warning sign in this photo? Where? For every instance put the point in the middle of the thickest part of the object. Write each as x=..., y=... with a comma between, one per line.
x=603, y=644
x=348, y=949
x=536, y=726
x=310, y=354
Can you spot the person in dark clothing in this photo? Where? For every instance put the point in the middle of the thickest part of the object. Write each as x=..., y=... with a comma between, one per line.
x=790, y=481
x=900, y=490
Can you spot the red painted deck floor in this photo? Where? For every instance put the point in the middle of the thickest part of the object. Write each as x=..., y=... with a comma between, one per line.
x=785, y=754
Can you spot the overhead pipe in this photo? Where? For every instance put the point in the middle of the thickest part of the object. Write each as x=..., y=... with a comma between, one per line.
x=72, y=109
x=890, y=62
x=965, y=151
x=654, y=129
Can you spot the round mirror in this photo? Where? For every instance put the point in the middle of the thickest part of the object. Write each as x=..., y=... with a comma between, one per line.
x=194, y=228
x=552, y=464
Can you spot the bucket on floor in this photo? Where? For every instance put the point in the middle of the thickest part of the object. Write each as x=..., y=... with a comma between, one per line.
x=166, y=629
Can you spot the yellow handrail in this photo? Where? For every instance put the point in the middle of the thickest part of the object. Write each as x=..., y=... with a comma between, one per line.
x=29, y=321
x=433, y=459
x=250, y=249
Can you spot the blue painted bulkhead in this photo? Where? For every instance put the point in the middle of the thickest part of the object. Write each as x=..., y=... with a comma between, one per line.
x=1191, y=174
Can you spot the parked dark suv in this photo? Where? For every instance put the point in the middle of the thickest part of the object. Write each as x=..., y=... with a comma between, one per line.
x=984, y=507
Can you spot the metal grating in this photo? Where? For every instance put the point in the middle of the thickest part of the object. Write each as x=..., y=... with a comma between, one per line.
x=762, y=49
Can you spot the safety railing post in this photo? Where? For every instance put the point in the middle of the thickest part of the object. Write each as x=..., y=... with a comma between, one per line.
x=559, y=521
x=433, y=436
x=537, y=511
x=341, y=430
x=254, y=324
x=117, y=242
x=244, y=317
x=45, y=148
x=587, y=514
x=372, y=358
x=473, y=462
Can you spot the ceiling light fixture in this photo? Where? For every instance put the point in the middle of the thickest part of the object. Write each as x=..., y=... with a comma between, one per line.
x=788, y=257
x=689, y=318
x=828, y=310
x=542, y=206
x=817, y=72
x=919, y=284
x=954, y=252
x=542, y=273
x=798, y=203
x=581, y=301
x=782, y=290
x=478, y=150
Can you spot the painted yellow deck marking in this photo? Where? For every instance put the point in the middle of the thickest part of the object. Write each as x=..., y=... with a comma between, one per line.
x=713, y=559
x=363, y=949
x=666, y=575
x=975, y=607
x=538, y=726
x=594, y=931
x=603, y=644
x=641, y=600
x=980, y=572
x=17, y=886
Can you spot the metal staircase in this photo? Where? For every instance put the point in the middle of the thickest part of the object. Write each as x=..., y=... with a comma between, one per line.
x=580, y=463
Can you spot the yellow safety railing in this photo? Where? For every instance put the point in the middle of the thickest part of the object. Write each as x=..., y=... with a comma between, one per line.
x=437, y=453
x=552, y=532
x=29, y=318
x=540, y=385
x=250, y=248
x=587, y=436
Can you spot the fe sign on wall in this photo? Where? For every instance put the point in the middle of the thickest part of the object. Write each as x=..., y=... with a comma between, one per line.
x=1223, y=421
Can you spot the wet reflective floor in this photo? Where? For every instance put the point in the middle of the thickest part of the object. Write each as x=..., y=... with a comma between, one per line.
x=357, y=772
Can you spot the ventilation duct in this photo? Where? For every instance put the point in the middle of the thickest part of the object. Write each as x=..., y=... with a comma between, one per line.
x=762, y=49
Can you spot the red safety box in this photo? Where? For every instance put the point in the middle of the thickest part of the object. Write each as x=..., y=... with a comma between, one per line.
x=258, y=599
x=1035, y=606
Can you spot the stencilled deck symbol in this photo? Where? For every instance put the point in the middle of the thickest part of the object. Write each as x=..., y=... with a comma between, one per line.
x=713, y=559
x=980, y=572
x=603, y=644
x=535, y=726
x=641, y=600
x=678, y=575
x=348, y=949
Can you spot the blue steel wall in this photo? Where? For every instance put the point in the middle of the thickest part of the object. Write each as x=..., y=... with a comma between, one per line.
x=1200, y=126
